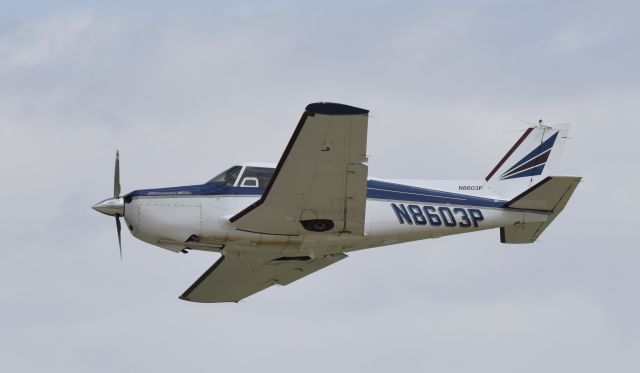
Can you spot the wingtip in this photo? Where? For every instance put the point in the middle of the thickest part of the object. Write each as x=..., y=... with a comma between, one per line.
x=331, y=108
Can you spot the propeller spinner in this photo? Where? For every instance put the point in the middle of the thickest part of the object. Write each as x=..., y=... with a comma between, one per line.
x=114, y=206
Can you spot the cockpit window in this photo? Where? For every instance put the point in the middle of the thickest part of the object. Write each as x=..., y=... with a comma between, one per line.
x=227, y=178
x=257, y=177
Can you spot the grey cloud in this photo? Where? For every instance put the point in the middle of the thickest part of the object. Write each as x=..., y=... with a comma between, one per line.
x=184, y=95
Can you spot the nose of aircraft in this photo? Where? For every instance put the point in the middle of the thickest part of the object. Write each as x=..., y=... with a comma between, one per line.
x=110, y=206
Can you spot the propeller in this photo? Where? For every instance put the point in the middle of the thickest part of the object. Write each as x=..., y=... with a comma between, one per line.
x=114, y=206
x=116, y=195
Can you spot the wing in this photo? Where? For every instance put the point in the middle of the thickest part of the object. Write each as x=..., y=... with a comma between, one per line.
x=320, y=183
x=232, y=279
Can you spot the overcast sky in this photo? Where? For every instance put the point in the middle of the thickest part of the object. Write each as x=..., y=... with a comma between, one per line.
x=185, y=90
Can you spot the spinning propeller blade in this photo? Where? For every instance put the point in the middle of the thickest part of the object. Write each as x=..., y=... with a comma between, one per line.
x=119, y=235
x=116, y=177
x=116, y=195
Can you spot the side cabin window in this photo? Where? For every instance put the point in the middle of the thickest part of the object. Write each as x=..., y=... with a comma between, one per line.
x=228, y=177
x=256, y=177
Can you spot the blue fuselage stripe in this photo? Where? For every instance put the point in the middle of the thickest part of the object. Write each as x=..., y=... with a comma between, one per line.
x=398, y=192
x=376, y=189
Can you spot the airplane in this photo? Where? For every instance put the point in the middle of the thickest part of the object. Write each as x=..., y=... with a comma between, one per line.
x=274, y=224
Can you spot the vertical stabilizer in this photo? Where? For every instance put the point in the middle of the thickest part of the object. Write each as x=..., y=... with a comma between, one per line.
x=528, y=161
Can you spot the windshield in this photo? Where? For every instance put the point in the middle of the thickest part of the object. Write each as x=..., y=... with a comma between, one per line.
x=227, y=178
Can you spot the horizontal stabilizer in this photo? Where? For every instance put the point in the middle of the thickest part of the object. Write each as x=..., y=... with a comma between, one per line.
x=551, y=196
x=522, y=233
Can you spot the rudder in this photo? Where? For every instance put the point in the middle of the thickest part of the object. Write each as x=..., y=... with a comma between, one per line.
x=528, y=161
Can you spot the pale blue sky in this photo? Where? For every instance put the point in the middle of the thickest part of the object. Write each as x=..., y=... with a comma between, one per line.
x=185, y=90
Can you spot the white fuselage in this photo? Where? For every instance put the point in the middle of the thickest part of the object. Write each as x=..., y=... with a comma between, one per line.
x=175, y=220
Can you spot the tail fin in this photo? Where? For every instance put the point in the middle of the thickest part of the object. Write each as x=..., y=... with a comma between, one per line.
x=549, y=196
x=528, y=161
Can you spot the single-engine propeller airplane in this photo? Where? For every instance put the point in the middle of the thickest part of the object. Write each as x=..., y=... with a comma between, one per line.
x=274, y=224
